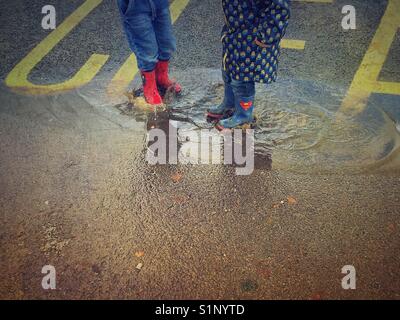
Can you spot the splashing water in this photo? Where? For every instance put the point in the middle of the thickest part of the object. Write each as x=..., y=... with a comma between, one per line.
x=297, y=123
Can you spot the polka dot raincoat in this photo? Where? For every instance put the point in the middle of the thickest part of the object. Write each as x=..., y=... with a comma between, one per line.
x=251, y=38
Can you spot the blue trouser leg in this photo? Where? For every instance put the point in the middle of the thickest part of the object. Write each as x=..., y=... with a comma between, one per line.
x=147, y=25
x=164, y=34
x=243, y=89
x=138, y=27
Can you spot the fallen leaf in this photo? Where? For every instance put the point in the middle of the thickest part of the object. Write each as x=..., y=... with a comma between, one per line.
x=291, y=200
x=96, y=269
x=391, y=227
x=316, y=296
x=180, y=198
x=263, y=269
x=139, y=266
x=139, y=254
x=176, y=177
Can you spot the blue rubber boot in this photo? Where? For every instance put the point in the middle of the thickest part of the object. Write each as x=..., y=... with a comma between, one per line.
x=243, y=114
x=227, y=107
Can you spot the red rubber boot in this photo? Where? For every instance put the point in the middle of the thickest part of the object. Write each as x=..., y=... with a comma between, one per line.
x=163, y=80
x=150, y=90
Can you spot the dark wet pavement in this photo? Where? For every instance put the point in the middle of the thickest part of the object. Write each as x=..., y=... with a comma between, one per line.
x=77, y=192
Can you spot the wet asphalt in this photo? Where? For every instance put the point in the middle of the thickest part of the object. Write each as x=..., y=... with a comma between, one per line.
x=77, y=193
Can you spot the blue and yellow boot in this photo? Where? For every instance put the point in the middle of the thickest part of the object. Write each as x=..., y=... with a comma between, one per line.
x=242, y=117
x=226, y=108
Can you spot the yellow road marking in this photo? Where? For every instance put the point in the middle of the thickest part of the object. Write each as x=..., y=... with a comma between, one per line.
x=300, y=44
x=17, y=79
x=366, y=81
x=177, y=8
x=293, y=44
x=129, y=69
x=387, y=87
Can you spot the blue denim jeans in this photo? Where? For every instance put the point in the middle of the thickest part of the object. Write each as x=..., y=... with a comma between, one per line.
x=148, y=27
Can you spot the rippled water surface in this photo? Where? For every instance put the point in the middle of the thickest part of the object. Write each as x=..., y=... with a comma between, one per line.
x=298, y=124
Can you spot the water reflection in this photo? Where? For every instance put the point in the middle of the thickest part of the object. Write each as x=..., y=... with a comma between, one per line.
x=298, y=125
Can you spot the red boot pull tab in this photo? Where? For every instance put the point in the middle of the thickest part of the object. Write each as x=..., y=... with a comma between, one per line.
x=150, y=90
x=163, y=79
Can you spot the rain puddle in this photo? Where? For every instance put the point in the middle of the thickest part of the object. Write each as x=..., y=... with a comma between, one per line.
x=298, y=125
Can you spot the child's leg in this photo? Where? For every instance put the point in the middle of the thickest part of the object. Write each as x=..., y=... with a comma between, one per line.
x=138, y=26
x=166, y=47
x=228, y=104
x=164, y=34
x=244, y=89
x=137, y=17
x=244, y=105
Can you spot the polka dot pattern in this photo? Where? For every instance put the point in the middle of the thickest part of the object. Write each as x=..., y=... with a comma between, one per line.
x=247, y=21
